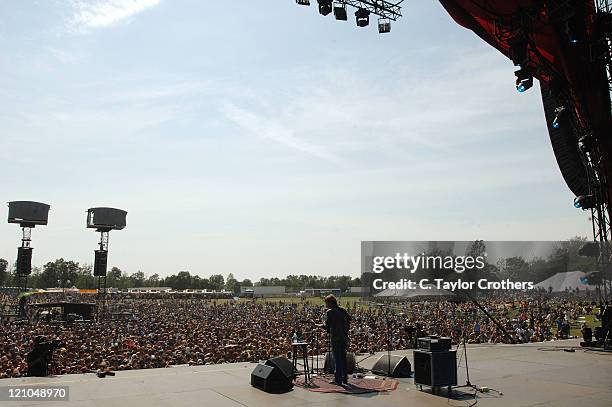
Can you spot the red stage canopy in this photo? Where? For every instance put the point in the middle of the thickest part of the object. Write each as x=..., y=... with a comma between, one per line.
x=553, y=58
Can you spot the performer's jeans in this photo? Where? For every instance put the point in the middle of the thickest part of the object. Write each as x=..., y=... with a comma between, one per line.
x=339, y=352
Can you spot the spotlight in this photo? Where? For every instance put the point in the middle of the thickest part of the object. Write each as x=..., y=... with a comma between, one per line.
x=363, y=17
x=572, y=36
x=519, y=50
x=340, y=12
x=524, y=84
x=524, y=80
x=303, y=2
x=556, y=123
x=585, y=143
x=384, y=25
x=325, y=7
x=584, y=202
x=575, y=29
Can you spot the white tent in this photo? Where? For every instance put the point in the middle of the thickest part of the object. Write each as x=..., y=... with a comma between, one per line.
x=565, y=281
x=430, y=291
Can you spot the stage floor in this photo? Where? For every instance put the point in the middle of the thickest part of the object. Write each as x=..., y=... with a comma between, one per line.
x=527, y=375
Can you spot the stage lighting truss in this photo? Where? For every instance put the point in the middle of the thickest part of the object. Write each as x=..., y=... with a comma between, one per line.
x=385, y=10
x=601, y=47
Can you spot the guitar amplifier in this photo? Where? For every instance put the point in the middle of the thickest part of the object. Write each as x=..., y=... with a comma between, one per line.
x=435, y=369
x=434, y=344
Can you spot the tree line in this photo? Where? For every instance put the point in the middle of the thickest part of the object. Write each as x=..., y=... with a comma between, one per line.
x=67, y=273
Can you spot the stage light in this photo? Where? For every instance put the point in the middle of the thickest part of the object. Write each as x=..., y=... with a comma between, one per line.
x=524, y=79
x=363, y=17
x=556, y=123
x=575, y=29
x=524, y=84
x=571, y=35
x=585, y=143
x=325, y=7
x=303, y=2
x=584, y=202
x=384, y=25
x=340, y=12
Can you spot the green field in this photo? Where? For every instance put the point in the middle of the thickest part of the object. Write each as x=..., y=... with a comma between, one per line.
x=589, y=319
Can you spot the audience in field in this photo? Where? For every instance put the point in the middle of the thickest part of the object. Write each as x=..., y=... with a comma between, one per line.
x=156, y=331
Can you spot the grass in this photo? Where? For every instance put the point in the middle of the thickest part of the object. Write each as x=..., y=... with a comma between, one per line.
x=590, y=321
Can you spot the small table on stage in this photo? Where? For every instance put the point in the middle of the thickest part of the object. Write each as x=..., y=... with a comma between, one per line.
x=295, y=348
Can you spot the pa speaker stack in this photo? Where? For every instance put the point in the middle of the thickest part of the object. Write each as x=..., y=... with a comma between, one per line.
x=435, y=364
x=276, y=376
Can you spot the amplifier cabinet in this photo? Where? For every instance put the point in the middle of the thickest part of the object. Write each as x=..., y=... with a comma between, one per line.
x=435, y=369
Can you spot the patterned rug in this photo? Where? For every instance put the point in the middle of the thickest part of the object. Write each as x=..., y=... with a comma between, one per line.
x=321, y=384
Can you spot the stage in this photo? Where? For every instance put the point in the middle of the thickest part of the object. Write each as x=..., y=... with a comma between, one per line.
x=528, y=375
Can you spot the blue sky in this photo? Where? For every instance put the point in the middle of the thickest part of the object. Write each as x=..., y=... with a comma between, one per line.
x=260, y=138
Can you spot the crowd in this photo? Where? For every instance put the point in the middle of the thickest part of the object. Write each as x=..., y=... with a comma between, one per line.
x=160, y=332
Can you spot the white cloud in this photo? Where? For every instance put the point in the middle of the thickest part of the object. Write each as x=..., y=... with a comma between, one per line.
x=105, y=13
x=272, y=130
x=63, y=56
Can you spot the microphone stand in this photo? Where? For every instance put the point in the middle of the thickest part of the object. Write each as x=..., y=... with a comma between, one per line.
x=382, y=307
x=467, y=367
x=463, y=342
x=314, y=334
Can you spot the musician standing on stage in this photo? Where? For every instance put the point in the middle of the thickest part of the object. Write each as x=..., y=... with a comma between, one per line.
x=337, y=324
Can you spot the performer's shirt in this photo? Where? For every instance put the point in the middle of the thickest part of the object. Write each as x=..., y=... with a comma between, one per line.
x=337, y=323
